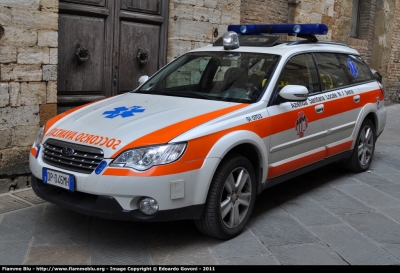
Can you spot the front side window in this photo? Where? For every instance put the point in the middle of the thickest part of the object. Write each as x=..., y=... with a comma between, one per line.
x=300, y=70
x=236, y=77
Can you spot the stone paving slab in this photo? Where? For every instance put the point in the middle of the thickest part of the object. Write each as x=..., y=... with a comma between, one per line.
x=120, y=253
x=370, y=196
x=244, y=246
x=183, y=254
x=13, y=253
x=29, y=196
x=62, y=227
x=58, y=255
x=337, y=202
x=106, y=231
x=375, y=226
x=8, y=203
x=20, y=225
x=305, y=208
x=393, y=249
x=353, y=247
x=281, y=230
x=307, y=254
x=250, y=260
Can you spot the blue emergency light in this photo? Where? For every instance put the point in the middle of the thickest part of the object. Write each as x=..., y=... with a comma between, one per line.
x=291, y=29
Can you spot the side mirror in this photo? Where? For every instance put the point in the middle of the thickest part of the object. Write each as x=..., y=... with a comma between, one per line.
x=294, y=93
x=143, y=79
x=376, y=74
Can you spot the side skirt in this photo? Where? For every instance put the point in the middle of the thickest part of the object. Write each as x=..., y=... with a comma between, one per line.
x=274, y=181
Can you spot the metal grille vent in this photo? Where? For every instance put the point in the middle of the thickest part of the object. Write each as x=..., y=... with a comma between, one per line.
x=84, y=159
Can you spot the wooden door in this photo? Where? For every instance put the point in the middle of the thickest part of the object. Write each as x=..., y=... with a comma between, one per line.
x=106, y=45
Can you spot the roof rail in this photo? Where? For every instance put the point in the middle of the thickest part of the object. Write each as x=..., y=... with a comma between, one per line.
x=313, y=42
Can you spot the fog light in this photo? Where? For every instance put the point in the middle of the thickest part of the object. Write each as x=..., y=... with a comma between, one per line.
x=148, y=205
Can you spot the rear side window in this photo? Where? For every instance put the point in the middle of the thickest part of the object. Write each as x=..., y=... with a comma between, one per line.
x=341, y=70
x=357, y=71
x=332, y=73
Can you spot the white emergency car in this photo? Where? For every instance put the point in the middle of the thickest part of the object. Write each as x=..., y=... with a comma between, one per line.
x=202, y=137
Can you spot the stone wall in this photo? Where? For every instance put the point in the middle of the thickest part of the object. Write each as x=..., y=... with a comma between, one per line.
x=392, y=77
x=196, y=23
x=264, y=11
x=28, y=82
x=314, y=12
x=365, y=29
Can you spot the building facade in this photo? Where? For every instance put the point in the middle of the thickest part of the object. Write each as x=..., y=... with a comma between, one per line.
x=32, y=76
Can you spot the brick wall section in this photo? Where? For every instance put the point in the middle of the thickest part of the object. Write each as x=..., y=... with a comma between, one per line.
x=341, y=26
x=364, y=41
x=316, y=12
x=193, y=23
x=392, y=81
x=28, y=82
x=366, y=27
x=264, y=12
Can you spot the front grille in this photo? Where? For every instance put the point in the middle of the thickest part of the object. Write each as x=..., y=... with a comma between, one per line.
x=83, y=160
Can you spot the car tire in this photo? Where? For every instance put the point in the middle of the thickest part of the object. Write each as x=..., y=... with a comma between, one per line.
x=230, y=199
x=364, y=148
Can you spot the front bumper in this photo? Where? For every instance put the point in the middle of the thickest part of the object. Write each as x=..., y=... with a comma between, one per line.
x=107, y=206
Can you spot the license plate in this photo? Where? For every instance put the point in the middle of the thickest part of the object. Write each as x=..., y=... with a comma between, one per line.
x=63, y=180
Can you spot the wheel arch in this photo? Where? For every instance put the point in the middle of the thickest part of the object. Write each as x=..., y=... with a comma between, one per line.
x=368, y=112
x=373, y=117
x=245, y=143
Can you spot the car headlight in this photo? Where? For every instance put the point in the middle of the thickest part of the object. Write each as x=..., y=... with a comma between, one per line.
x=144, y=158
x=39, y=137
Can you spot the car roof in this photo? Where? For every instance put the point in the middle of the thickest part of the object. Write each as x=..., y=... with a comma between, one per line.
x=286, y=49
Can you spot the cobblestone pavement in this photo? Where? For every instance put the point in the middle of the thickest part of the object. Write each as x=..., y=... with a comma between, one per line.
x=325, y=217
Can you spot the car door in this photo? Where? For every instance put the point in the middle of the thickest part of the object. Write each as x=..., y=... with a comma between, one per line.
x=343, y=102
x=298, y=129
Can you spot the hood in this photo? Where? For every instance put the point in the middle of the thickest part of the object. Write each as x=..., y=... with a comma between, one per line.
x=134, y=120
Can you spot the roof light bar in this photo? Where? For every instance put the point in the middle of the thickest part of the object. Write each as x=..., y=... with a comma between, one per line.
x=309, y=29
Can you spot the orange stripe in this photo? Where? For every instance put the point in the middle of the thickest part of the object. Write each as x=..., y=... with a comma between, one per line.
x=195, y=153
x=165, y=134
x=295, y=164
x=332, y=107
x=330, y=151
x=33, y=151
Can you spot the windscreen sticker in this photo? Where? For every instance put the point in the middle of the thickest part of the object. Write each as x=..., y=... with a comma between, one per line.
x=85, y=138
x=301, y=124
x=353, y=68
x=123, y=111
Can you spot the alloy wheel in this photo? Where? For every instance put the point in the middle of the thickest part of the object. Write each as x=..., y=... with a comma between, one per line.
x=236, y=197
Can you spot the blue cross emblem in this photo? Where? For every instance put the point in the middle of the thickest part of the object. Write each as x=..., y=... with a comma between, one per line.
x=353, y=67
x=123, y=111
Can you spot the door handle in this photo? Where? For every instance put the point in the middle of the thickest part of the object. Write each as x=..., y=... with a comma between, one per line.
x=319, y=109
x=356, y=99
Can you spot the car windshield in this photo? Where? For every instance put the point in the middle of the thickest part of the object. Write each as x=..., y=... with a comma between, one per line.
x=233, y=77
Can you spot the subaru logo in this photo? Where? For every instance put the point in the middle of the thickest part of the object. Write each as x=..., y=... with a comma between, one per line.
x=67, y=151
